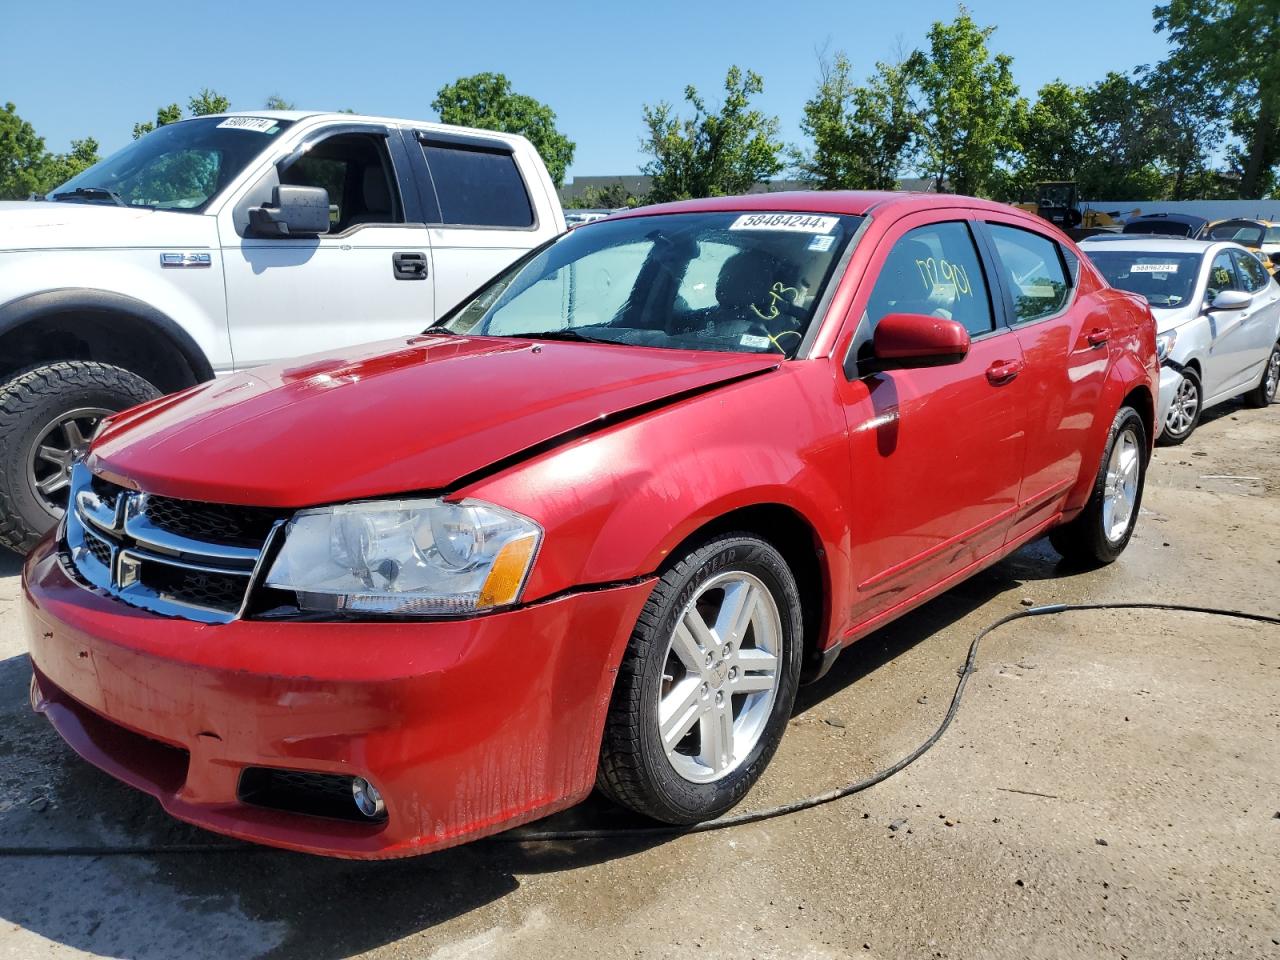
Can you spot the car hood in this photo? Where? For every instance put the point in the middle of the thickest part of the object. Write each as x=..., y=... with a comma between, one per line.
x=1168, y=319
x=52, y=225
x=417, y=414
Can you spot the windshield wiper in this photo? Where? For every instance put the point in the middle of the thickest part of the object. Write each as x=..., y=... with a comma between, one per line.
x=95, y=193
x=566, y=334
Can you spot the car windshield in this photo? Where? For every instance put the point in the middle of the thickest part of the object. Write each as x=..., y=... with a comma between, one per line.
x=180, y=166
x=1167, y=280
x=1249, y=234
x=742, y=282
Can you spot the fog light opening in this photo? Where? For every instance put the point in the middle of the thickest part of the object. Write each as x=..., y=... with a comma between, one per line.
x=368, y=800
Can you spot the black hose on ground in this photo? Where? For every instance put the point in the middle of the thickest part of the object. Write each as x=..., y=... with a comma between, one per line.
x=723, y=823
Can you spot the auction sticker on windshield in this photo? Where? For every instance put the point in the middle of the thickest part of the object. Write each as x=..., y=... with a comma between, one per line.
x=789, y=222
x=259, y=124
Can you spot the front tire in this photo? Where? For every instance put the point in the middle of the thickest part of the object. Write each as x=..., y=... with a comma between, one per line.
x=707, y=683
x=47, y=418
x=1264, y=394
x=1184, y=411
x=1099, y=534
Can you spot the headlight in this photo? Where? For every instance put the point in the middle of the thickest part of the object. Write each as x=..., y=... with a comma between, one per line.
x=420, y=558
x=1164, y=343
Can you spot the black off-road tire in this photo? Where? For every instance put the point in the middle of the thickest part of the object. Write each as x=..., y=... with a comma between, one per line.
x=634, y=770
x=1169, y=438
x=28, y=402
x=1264, y=394
x=1083, y=541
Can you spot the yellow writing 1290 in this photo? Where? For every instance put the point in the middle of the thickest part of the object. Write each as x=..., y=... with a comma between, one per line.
x=938, y=273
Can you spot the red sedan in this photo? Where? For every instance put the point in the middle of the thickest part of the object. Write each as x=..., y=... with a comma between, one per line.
x=593, y=528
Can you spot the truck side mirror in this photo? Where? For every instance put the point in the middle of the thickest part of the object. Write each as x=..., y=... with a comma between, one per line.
x=292, y=212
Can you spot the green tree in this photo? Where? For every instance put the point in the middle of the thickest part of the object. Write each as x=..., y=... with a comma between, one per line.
x=1124, y=142
x=58, y=168
x=609, y=197
x=277, y=102
x=711, y=154
x=22, y=153
x=1232, y=48
x=1053, y=139
x=968, y=102
x=205, y=102
x=861, y=134
x=487, y=101
x=1188, y=125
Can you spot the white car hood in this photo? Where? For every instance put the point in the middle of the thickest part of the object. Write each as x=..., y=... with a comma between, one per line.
x=51, y=225
x=1168, y=319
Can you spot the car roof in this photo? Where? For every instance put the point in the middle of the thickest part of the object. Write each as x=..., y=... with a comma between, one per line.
x=1152, y=243
x=850, y=202
x=426, y=125
x=1190, y=219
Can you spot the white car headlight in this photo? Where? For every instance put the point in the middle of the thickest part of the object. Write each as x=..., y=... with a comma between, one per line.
x=1164, y=343
x=419, y=558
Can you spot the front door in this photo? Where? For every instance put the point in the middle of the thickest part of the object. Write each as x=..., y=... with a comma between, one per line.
x=368, y=278
x=936, y=453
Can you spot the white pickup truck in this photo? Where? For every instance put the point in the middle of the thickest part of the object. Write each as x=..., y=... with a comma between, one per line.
x=226, y=241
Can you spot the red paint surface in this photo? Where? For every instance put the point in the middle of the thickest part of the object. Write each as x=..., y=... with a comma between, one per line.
x=908, y=481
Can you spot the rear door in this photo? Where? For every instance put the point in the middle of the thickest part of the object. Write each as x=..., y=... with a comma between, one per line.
x=481, y=211
x=1065, y=345
x=936, y=453
x=1262, y=316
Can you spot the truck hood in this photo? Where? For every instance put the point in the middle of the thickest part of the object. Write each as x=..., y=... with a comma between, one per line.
x=409, y=415
x=50, y=225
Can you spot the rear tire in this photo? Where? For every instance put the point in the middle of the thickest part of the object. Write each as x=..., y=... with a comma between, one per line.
x=1184, y=412
x=47, y=417
x=707, y=684
x=1264, y=394
x=1101, y=531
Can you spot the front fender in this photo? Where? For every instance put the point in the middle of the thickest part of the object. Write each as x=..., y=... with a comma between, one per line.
x=616, y=505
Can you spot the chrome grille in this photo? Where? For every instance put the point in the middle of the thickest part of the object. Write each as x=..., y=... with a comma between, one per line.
x=179, y=558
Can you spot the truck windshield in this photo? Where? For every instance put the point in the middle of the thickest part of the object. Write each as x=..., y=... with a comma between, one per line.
x=180, y=166
x=740, y=282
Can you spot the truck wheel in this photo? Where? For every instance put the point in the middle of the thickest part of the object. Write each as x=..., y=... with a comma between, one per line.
x=1264, y=394
x=1103, y=528
x=47, y=416
x=706, y=686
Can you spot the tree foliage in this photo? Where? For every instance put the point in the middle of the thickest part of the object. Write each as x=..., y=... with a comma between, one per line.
x=967, y=102
x=711, y=154
x=487, y=101
x=611, y=196
x=27, y=167
x=1231, y=49
x=277, y=102
x=861, y=133
x=205, y=102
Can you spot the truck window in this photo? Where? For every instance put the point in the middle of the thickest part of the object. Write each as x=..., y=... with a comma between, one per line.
x=356, y=170
x=477, y=187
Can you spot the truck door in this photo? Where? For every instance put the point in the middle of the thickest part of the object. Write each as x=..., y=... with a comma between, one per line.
x=368, y=278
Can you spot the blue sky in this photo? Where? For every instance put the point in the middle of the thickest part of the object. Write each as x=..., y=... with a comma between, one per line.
x=95, y=70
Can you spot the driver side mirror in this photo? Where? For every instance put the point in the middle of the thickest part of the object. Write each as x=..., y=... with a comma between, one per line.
x=1231, y=300
x=293, y=212
x=904, y=341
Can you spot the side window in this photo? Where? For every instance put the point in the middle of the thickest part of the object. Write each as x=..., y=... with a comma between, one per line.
x=478, y=187
x=934, y=270
x=356, y=170
x=1222, y=276
x=1251, y=271
x=1032, y=267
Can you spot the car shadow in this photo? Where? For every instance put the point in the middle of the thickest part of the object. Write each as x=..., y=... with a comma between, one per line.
x=253, y=901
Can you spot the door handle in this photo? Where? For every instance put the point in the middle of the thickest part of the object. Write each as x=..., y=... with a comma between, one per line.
x=1003, y=371
x=409, y=265
x=1097, y=337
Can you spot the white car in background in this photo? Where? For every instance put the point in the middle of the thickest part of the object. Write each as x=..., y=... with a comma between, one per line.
x=1217, y=319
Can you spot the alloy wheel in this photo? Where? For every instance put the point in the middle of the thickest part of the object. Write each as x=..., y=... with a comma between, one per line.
x=1273, y=374
x=1120, y=497
x=60, y=444
x=720, y=676
x=1183, y=408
